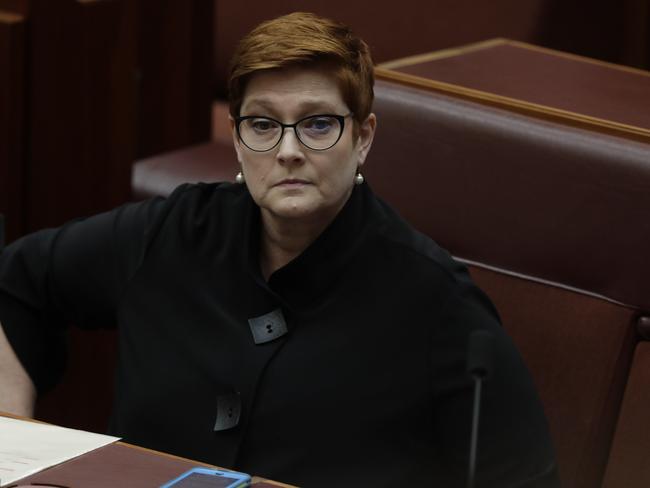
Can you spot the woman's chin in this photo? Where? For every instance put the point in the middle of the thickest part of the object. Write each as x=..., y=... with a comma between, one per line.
x=294, y=210
x=297, y=209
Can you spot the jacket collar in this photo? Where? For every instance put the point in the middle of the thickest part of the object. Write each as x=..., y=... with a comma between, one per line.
x=309, y=277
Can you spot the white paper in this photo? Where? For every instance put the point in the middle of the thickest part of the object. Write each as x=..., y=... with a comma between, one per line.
x=29, y=447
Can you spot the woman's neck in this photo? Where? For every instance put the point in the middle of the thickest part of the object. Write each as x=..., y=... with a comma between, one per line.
x=282, y=240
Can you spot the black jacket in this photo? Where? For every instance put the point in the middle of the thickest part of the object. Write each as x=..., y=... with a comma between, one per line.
x=356, y=378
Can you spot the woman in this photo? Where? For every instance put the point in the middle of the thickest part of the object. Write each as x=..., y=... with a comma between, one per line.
x=290, y=325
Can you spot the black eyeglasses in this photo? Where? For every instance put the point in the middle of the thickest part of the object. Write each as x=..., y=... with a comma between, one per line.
x=317, y=132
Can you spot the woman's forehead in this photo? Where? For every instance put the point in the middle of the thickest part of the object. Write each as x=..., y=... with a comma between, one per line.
x=293, y=90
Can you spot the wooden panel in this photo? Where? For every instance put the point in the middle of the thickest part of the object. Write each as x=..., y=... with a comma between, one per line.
x=174, y=67
x=12, y=143
x=602, y=29
x=636, y=32
x=82, y=98
x=80, y=117
x=392, y=30
x=15, y=6
x=84, y=111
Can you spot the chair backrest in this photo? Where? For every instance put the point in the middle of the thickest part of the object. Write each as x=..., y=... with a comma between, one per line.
x=553, y=222
x=628, y=459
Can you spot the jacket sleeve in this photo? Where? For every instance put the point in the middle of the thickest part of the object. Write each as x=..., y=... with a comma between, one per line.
x=514, y=446
x=71, y=275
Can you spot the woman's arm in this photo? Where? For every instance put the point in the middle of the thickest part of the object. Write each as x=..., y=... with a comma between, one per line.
x=17, y=391
x=55, y=277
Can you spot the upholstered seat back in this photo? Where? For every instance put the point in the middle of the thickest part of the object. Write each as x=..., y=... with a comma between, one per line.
x=554, y=223
x=538, y=198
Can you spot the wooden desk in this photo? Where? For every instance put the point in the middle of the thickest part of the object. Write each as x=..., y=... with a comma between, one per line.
x=125, y=465
x=534, y=81
x=122, y=464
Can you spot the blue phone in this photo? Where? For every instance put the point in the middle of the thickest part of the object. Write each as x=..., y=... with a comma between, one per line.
x=209, y=478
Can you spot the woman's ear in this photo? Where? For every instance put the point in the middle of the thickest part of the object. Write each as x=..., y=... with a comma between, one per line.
x=366, y=136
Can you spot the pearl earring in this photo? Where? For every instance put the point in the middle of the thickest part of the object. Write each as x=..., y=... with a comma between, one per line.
x=240, y=178
x=358, y=179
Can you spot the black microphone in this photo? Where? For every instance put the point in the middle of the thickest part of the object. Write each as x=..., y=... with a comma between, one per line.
x=479, y=366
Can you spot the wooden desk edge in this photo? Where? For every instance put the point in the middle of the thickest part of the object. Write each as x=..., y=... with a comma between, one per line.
x=526, y=108
x=256, y=479
x=501, y=41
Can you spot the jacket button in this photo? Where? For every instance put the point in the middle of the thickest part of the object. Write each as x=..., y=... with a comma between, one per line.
x=228, y=411
x=268, y=327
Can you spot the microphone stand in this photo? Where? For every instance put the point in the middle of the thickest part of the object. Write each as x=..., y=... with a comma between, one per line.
x=478, y=382
x=479, y=366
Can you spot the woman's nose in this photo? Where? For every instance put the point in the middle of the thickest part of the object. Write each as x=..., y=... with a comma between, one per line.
x=290, y=148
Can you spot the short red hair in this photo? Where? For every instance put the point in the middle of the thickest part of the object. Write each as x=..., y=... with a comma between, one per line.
x=305, y=39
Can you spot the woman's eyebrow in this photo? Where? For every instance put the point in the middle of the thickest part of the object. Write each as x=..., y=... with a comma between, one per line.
x=306, y=107
x=319, y=106
x=258, y=104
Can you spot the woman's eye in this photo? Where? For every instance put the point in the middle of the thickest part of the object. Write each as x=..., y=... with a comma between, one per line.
x=262, y=125
x=319, y=124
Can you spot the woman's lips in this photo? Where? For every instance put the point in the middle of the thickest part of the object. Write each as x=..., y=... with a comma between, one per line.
x=293, y=182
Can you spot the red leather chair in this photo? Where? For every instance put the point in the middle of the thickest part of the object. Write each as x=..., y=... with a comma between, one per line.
x=553, y=223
